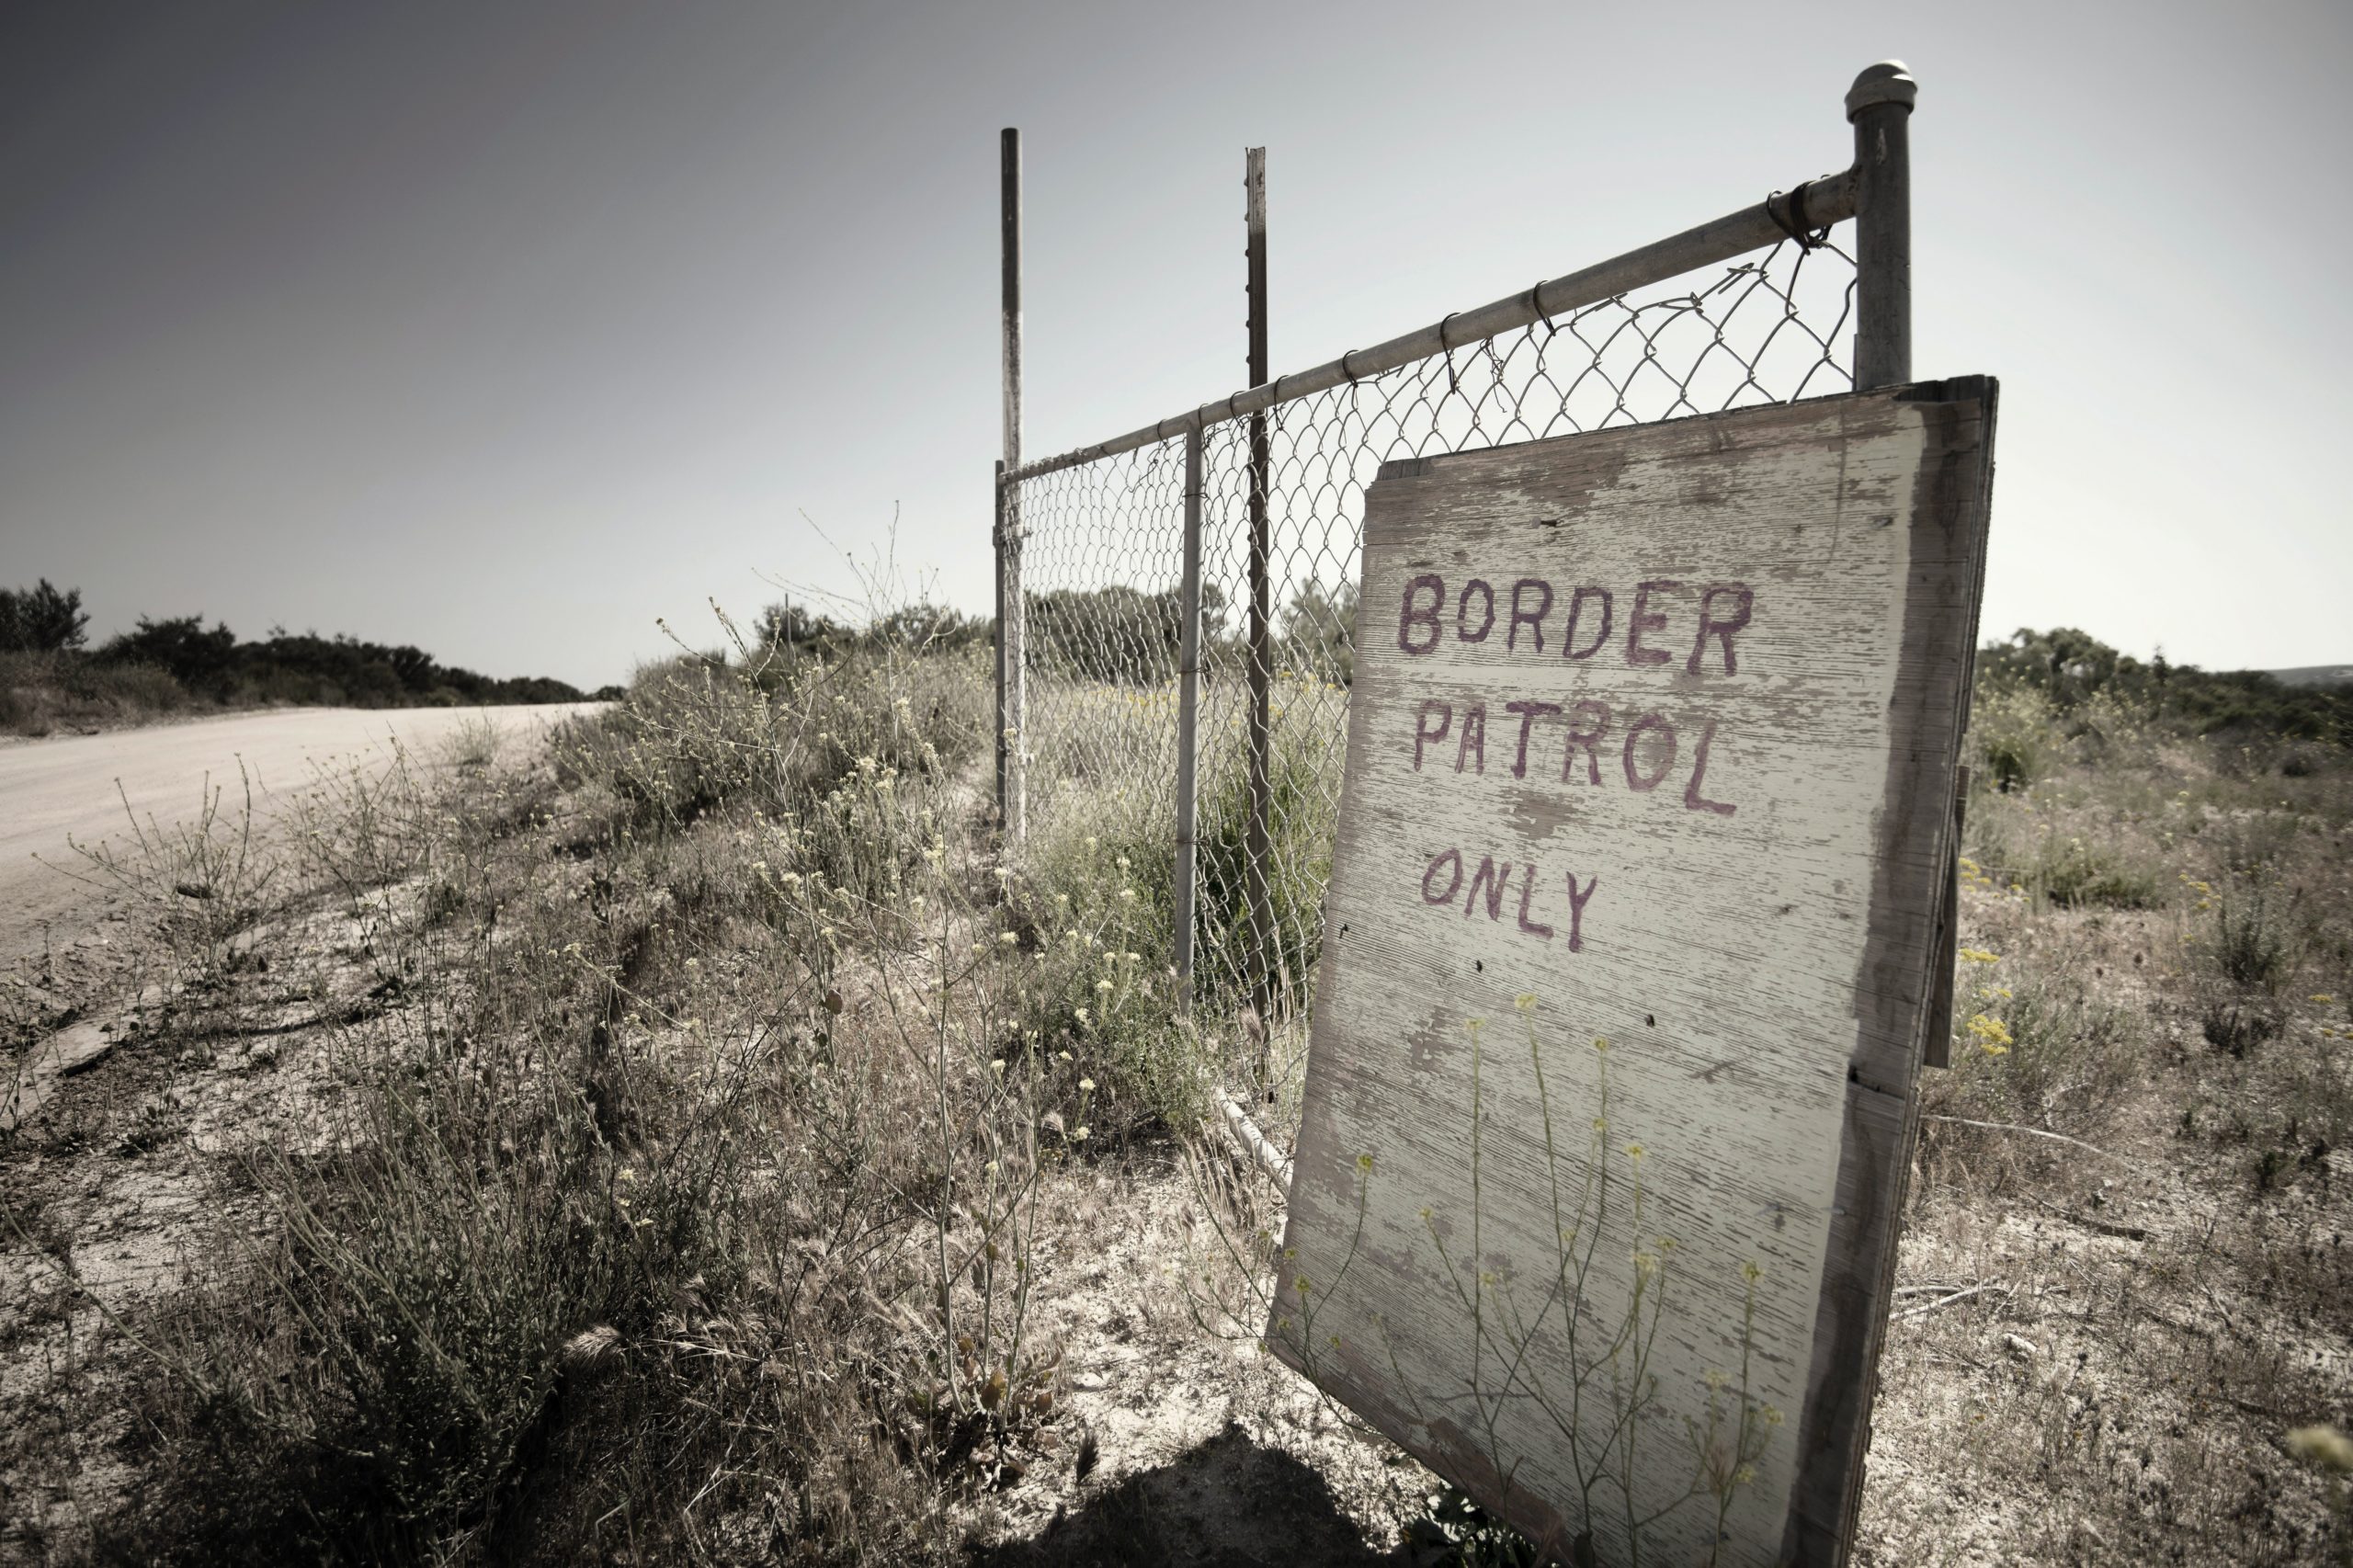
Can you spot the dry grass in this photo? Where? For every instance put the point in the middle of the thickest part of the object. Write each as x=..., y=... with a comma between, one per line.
x=2151, y=1321
x=669, y=1168
x=695, y=1146
x=43, y=693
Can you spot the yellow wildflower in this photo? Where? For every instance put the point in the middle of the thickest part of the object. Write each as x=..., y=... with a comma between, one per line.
x=2323, y=1446
x=1993, y=1036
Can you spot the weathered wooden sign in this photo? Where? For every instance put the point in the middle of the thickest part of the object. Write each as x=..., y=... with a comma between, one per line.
x=1627, y=959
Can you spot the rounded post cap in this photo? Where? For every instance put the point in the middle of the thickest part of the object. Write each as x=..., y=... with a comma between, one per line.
x=1889, y=82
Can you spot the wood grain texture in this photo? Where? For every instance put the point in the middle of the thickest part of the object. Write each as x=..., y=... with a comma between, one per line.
x=1714, y=838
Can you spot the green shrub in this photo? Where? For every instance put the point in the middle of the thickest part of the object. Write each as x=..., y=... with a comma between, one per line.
x=1236, y=967
x=2036, y=1044
x=2011, y=733
x=2250, y=938
x=697, y=732
x=41, y=692
x=1099, y=983
x=2074, y=873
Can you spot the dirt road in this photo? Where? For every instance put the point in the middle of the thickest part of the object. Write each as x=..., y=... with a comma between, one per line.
x=53, y=789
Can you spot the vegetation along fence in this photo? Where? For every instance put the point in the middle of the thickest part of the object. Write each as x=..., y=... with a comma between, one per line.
x=1176, y=604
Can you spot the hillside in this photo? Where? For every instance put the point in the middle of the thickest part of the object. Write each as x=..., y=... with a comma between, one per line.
x=2314, y=675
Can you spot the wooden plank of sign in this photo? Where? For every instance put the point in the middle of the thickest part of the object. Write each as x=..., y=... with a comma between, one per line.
x=1651, y=741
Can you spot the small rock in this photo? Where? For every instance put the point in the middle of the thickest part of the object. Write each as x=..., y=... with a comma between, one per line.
x=79, y=1049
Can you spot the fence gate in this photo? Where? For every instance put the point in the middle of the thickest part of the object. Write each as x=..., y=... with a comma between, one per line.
x=1176, y=604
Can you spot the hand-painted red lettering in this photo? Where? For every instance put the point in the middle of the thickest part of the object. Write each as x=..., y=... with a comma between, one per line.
x=1577, y=902
x=1452, y=859
x=1635, y=780
x=1692, y=800
x=1462, y=612
x=1473, y=746
x=1488, y=877
x=1569, y=649
x=1645, y=619
x=1527, y=892
x=1720, y=627
x=1591, y=722
x=1528, y=713
x=1425, y=616
x=1423, y=733
x=1531, y=619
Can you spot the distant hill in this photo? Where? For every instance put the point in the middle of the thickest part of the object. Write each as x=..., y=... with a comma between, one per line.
x=2071, y=667
x=2314, y=675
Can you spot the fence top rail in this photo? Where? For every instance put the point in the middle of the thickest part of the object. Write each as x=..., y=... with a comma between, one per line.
x=1813, y=205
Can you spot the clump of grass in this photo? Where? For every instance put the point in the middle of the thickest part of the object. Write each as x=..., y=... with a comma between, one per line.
x=43, y=692
x=1240, y=966
x=2074, y=873
x=2011, y=732
x=1099, y=986
x=202, y=883
x=2235, y=1023
x=2250, y=941
x=474, y=745
x=697, y=733
x=2034, y=1044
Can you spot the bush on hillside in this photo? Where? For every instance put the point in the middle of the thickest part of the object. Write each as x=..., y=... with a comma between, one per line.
x=2072, y=669
x=41, y=619
x=308, y=668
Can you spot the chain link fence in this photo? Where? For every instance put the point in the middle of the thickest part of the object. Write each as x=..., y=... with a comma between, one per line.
x=1103, y=577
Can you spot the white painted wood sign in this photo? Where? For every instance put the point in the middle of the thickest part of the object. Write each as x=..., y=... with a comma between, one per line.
x=1627, y=962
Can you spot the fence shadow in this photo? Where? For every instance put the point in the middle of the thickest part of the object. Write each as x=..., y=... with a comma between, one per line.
x=1228, y=1503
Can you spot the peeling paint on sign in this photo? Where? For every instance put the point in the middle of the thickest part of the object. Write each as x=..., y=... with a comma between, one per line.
x=1628, y=950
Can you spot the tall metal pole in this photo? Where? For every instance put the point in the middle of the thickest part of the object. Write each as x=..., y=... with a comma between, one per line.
x=1012, y=704
x=1003, y=709
x=1188, y=696
x=1879, y=106
x=1257, y=844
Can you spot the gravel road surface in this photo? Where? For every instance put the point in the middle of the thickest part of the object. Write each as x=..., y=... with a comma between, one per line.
x=55, y=787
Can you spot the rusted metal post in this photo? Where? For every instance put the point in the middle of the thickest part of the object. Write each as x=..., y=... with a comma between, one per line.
x=1004, y=711
x=1879, y=106
x=1189, y=695
x=1012, y=705
x=1258, y=843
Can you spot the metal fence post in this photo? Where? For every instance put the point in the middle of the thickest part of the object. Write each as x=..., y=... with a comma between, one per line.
x=1258, y=843
x=1879, y=106
x=1188, y=692
x=1004, y=711
x=1012, y=713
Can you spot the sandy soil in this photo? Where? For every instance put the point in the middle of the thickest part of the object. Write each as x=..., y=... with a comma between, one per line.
x=67, y=786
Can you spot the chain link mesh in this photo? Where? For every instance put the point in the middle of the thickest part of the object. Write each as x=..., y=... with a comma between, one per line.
x=1103, y=560
x=1102, y=576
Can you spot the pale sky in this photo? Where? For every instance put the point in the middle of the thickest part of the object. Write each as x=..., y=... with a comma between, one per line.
x=504, y=328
